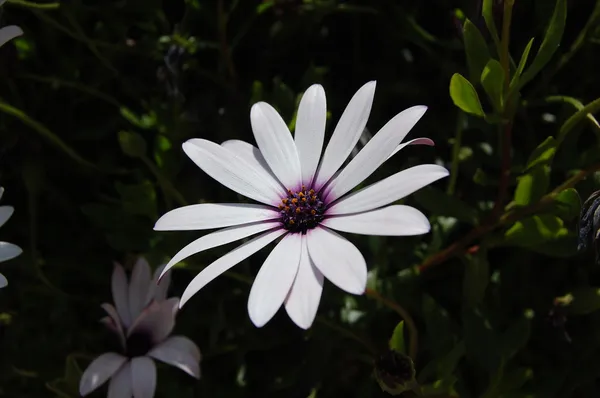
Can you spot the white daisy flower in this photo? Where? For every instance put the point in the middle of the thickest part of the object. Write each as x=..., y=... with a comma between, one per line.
x=303, y=201
x=7, y=250
x=143, y=319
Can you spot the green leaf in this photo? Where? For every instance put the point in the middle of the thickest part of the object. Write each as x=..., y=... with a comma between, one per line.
x=574, y=120
x=517, y=336
x=515, y=378
x=550, y=44
x=567, y=204
x=563, y=246
x=532, y=186
x=397, y=342
x=464, y=95
x=535, y=230
x=143, y=122
x=476, y=50
x=440, y=203
x=482, y=343
x=492, y=80
x=585, y=301
x=476, y=278
x=522, y=62
x=543, y=154
x=132, y=144
x=138, y=199
x=488, y=15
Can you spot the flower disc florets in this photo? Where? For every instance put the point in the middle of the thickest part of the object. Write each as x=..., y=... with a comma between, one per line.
x=301, y=210
x=138, y=344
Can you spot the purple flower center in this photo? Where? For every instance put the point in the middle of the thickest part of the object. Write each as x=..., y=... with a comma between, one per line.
x=138, y=344
x=301, y=210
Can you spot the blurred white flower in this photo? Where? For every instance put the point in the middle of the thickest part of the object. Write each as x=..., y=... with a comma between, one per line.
x=143, y=319
x=8, y=33
x=7, y=250
x=304, y=199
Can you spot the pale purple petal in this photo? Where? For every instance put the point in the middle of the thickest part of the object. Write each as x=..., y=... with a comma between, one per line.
x=304, y=297
x=274, y=280
x=276, y=144
x=159, y=287
x=416, y=141
x=346, y=134
x=8, y=251
x=143, y=377
x=218, y=238
x=8, y=33
x=115, y=321
x=375, y=152
x=158, y=319
x=227, y=261
x=3, y=281
x=139, y=284
x=254, y=157
x=338, y=259
x=120, y=293
x=211, y=215
x=232, y=171
x=310, y=130
x=5, y=213
x=388, y=190
x=100, y=370
x=1, y=188
x=180, y=352
x=395, y=220
x=120, y=384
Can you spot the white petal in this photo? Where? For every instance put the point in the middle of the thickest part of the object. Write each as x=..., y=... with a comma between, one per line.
x=304, y=297
x=274, y=280
x=276, y=144
x=120, y=293
x=395, y=220
x=416, y=141
x=9, y=251
x=143, y=377
x=338, y=259
x=389, y=190
x=1, y=188
x=374, y=153
x=158, y=319
x=231, y=171
x=180, y=352
x=310, y=130
x=120, y=384
x=211, y=215
x=254, y=157
x=218, y=238
x=346, y=133
x=115, y=321
x=138, y=286
x=3, y=281
x=8, y=33
x=100, y=370
x=5, y=213
x=227, y=261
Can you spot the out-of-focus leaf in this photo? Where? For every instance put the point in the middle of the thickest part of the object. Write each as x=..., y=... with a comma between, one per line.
x=532, y=186
x=397, y=342
x=551, y=42
x=542, y=154
x=138, y=199
x=476, y=50
x=535, y=230
x=440, y=203
x=517, y=336
x=514, y=379
x=476, y=277
x=567, y=204
x=492, y=80
x=464, y=95
x=564, y=246
x=132, y=144
x=482, y=343
x=585, y=301
x=143, y=122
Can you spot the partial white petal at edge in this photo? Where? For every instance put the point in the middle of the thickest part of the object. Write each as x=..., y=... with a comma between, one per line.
x=143, y=377
x=100, y=370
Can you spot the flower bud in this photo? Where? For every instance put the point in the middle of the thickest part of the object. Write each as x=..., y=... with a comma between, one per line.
x=395, y=372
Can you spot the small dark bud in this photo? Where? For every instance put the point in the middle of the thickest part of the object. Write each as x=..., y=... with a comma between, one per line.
x=395, y=372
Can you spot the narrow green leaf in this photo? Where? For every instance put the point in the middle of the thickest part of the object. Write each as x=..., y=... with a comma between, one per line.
x=551, y=42
x=522, y=62
x=543, y=154
x=476, y=278
x=574, y=120
x=464, y=95
x=532, y=186
x=476, y=50
x=488, y=16
x=492, y=80
x=440, y=203
x=585, y=301
x=397, y=342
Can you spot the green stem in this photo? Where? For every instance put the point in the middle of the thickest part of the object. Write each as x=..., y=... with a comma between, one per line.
x=30, y=4
x=460, y=119
x=413, y=333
